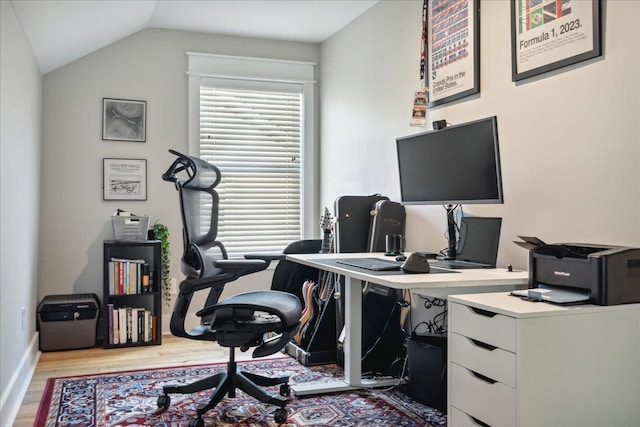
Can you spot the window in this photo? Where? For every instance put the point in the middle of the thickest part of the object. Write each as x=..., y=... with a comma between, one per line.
x=254, y=138
x=254, y=130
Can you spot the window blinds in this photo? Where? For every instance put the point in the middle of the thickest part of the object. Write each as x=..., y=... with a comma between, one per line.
x=254, y=137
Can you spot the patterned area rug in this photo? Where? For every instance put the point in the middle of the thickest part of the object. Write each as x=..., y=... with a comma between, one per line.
x=130, y=399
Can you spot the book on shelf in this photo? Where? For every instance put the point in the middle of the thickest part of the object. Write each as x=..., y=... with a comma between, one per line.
x=122, y=325
x=128, y=276
x=145, y=278
x=130, y=325
x=110, y=323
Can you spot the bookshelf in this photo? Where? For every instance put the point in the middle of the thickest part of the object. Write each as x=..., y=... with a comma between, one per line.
x=132, y=302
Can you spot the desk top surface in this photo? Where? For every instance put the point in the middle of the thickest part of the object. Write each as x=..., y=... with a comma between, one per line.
x=504, y=303
x=400, y=280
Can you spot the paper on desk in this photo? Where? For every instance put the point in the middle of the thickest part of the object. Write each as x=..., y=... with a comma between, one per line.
x=554, y=295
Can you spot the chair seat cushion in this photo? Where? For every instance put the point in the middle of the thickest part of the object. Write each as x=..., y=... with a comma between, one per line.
x=243, y=320
x=284, y=305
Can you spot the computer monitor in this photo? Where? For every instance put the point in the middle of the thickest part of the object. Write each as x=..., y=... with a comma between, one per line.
x=458, y=164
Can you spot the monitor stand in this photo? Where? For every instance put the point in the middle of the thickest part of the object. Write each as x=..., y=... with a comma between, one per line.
x=452, y=228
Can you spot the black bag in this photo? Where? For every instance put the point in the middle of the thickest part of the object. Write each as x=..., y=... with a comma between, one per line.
x=387, y=217
x=353, y=217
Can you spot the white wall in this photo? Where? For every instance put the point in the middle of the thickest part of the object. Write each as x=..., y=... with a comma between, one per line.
x=569, y=139
x=20, y=119
x=150, y=65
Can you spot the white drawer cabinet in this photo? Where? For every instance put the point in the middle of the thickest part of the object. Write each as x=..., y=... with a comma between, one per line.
x=517, y=363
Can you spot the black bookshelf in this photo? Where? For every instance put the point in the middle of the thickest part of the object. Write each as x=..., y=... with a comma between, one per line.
x=132, y=301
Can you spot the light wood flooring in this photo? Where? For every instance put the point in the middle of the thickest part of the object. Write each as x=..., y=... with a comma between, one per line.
x=173, y=352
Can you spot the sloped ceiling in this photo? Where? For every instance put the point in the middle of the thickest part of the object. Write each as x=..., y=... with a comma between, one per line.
x=61, y=31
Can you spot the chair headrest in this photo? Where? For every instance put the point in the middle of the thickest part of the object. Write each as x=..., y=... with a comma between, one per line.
x=192, y=172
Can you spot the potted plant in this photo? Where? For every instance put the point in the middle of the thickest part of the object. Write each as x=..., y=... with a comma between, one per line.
x=161, y=232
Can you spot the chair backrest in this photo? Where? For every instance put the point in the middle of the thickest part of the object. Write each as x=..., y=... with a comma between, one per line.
x=195, y=181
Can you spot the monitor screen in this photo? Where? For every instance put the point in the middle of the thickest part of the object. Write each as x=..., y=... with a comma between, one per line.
x=458, y=164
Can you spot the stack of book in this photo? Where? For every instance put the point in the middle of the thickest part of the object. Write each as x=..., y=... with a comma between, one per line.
x=130, y=325
x=129, y=276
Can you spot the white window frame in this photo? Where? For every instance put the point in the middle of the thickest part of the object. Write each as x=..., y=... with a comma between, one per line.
x=210, y=66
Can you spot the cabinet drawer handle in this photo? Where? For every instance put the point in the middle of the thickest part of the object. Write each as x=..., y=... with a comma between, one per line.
x=483, y=377
x=482, y=312
x=480, y=423
x=483, y=344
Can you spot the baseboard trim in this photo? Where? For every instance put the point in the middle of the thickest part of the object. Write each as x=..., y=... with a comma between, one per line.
x=19, y=383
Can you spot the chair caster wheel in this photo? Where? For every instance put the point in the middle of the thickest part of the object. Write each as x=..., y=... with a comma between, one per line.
x=196, y=422
x=280, y=416
x=164, y=401
x=285, y=390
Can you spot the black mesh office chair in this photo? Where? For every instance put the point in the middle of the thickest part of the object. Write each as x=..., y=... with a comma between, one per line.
x=240, y=321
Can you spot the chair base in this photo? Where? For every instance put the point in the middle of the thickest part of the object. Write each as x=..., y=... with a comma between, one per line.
x=226, y=383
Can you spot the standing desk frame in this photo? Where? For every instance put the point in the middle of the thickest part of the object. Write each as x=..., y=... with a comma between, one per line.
x=434, y=285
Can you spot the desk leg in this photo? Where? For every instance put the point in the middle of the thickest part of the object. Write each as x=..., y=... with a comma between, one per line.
x=353, y=331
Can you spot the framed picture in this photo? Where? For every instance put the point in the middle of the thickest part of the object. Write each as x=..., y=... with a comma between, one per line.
x=551, y=34
x=124, y=179
x=452, y=50
x=124, y=120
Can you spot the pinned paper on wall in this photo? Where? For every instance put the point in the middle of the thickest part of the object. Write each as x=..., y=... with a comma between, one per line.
x=419, y=113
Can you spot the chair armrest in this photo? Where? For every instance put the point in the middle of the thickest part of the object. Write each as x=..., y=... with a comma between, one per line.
x=267, y=257
x=240, y=267
x=189, y=286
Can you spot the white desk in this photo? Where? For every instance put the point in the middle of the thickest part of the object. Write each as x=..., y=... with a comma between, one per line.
x=433, y=284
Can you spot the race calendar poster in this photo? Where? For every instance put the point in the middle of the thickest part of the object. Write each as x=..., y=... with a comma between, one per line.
x=550, y=34
x=452, y=50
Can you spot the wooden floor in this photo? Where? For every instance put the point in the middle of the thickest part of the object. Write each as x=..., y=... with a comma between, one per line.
x=173, y=352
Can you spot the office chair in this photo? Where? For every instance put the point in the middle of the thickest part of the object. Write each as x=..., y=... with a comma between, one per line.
x=240, y=321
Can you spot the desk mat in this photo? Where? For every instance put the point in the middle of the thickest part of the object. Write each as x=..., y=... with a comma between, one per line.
x=334, y=263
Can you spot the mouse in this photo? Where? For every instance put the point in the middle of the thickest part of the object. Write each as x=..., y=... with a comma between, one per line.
x=401, y=258
x=416, y=263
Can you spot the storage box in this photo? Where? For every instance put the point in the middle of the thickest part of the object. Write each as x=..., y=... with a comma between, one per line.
x=68, y=322
x=130, y=228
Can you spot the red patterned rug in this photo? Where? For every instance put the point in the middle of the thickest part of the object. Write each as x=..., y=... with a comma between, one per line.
x=130, y=399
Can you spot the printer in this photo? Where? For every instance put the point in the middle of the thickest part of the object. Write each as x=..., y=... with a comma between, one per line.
x=608, y=275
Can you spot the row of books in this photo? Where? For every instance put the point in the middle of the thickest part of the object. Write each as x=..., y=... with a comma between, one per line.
x=129, y=276
x=130, y=325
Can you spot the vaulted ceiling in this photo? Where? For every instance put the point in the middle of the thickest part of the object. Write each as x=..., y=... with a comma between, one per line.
x=62, y=31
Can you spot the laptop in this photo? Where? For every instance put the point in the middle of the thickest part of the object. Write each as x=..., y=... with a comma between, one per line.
x=478, y=244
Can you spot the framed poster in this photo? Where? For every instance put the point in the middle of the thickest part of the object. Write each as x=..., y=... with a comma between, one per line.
x=124, y=120
x=551, y=34
x=452, y=50
x=124, y=179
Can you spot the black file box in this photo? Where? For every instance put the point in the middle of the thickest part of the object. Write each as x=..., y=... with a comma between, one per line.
x=68, y=322
x=427, y=359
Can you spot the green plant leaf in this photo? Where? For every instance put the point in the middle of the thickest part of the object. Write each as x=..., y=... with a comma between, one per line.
x=161, y=232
